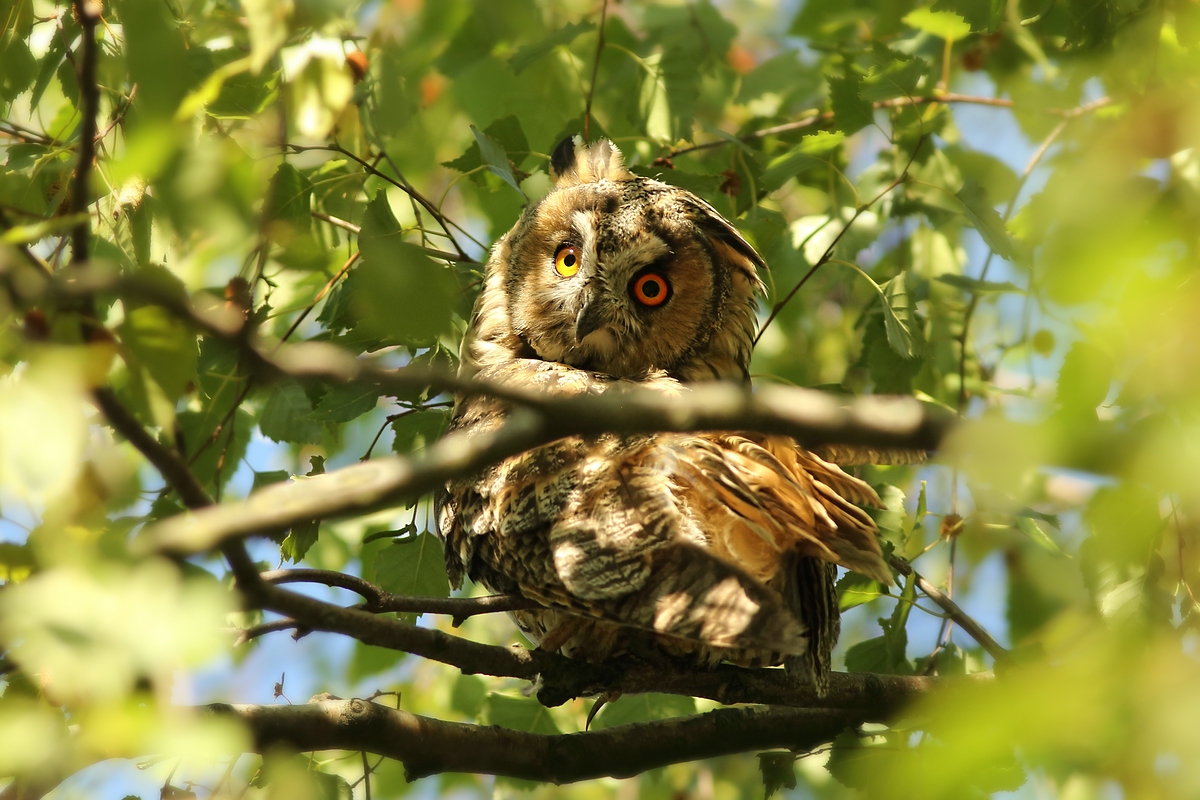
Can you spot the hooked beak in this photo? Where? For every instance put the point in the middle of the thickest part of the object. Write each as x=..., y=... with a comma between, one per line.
x=590, y=319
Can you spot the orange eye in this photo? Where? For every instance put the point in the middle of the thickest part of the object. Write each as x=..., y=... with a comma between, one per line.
x=651, y=289
x=566, y=260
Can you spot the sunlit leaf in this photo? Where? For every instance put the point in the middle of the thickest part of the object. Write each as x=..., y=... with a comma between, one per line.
x=945, y=24
x=495, y=158
x=986, y=220
x=413, y=567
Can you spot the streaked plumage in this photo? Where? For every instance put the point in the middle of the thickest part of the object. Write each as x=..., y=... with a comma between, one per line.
x=704, y=547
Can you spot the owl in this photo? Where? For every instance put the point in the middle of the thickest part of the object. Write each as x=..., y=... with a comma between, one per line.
x=691, y=548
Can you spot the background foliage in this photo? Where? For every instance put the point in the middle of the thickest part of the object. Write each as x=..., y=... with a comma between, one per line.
x=336, y=169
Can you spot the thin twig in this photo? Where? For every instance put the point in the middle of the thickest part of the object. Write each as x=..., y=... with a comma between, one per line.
x=969, y=625
x=828, y=254
x=400, y=184
x=87, y=12
x=587, y=108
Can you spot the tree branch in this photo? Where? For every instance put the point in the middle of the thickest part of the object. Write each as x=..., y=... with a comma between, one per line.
x=428, y=746
x=560, y=678
x=87, y=13
x=956, y=614
x=811, y=417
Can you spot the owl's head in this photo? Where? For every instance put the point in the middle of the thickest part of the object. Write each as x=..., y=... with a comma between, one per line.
x=619, y=274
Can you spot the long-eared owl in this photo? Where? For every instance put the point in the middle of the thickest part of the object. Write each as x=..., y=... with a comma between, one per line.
x=702, y=547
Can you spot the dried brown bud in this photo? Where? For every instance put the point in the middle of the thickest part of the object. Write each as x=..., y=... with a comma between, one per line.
x=952, y=525
x=357, y=61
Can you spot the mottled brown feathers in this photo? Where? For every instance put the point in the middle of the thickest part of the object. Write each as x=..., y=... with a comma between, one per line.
x=704, y=547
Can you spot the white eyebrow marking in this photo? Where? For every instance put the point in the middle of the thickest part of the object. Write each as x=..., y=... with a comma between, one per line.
x=584, y=223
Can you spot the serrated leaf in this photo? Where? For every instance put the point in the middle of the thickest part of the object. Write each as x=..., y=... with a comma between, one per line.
x=897, y=317
x=986, y=219
x=413, y=567
x=851, y=113
x=778, y=772
x=519, y=714
x=983, y=16
x=898, y=79
x=804, y=156
x=300, y=540
x=468, y=695
x=644, y=707
x=945, y=24
x=561, y=37
x=976, y=286
x=495, y=159
x=507, y=131
x=287, y=416
x=345, y=402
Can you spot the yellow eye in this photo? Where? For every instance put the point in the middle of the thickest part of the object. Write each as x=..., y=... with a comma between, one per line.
x=566, y=260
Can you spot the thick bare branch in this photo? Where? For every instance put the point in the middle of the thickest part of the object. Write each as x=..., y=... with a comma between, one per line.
x=428, y=746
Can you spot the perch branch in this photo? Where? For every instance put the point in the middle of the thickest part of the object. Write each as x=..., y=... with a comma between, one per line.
x=428, y=746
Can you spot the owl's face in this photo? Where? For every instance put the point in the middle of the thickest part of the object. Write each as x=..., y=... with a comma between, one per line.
x=622, y=275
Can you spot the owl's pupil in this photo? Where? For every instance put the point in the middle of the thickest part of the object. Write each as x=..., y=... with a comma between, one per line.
x=568, y=260
x=651, y=289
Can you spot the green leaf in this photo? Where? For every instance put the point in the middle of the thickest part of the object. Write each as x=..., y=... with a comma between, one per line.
x=468, y=695
x=163, y=345
x=898, y=79
x=854, y=589
x=267, y=22
x=1034, y=530
x=897, y=316
x=290, y=199
x=414, y=431
x=985, y=219
x=288, y=416
x=302, y=537
x=345, y=402
x=403, y=294
x=18, y=67
x=561, y=37
x=495, y=158
x=262, y=479
x=507, y=131
x=945, y=24
x=645, y=707
x=157, y=58
x=851, y=113
x=976, y=286
x=370, y=660
x=519, y=714
x=413, y=567
x=806, y=155
x=984, y=16
x=778, y=772
x=1084, y=379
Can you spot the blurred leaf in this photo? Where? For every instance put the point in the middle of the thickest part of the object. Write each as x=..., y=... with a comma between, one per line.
x=984, y=16
x=1034, y=530
x=986, y=220
x=946, y=24
x=157, y=59
x=1084, y=380
x=898, y=79
x=851, y=113
x=413, y=567
x=468, y=695
x=163, y=345
x=345, y=402
x=803, y=156
x=643, y=707
x=976, y=286
x=563, y=36
x=267, y=23
x=519, y=714
x=288, y=416
x=302, y=537
x=414, y=431
x=262, y=479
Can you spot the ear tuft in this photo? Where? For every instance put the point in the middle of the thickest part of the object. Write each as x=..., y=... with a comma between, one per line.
x=574, y=162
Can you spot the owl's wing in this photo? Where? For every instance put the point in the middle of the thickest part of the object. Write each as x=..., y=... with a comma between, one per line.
x=596, y=527
x=766, y=497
